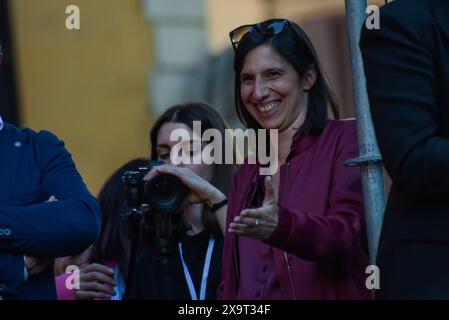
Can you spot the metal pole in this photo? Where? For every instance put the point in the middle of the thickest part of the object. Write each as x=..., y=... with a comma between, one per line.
x=369, y=159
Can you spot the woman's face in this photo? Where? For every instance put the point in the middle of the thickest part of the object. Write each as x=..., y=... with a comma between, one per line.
x=272, y=91
x=164, y=147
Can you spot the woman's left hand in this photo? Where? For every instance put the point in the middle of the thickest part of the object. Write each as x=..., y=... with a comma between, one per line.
x=258, y=223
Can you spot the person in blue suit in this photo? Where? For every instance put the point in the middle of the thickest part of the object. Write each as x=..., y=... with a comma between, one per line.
x=46, y=211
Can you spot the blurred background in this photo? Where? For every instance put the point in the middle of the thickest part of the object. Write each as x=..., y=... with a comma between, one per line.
x=101, y=87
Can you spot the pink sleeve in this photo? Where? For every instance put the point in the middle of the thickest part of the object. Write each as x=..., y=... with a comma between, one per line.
x=62, y=292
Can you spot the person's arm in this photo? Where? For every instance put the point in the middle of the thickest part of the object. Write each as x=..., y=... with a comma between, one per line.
x=338, y=230
x=52, y=229
x=220, y=213
x=404, y=92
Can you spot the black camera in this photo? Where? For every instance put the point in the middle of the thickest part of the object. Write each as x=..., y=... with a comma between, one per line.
x=154, y=217
x=164, y=193
x=155, y=206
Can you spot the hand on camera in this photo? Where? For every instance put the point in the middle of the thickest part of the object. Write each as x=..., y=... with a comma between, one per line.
x=200, y=189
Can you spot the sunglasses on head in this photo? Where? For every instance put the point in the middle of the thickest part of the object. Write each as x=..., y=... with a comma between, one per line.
x=269, y=28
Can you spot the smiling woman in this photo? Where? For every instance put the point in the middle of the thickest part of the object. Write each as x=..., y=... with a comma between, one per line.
x=267, y=81
x=298, y=234
x=281, y=65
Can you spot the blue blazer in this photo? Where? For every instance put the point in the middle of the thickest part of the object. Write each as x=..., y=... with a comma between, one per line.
x=33, y=167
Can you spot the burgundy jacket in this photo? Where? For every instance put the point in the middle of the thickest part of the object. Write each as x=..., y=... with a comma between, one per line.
x=320, y=241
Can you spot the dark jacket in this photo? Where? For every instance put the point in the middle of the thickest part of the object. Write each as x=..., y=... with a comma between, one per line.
x=407, y=70
x=33, y=167
x=321, y=224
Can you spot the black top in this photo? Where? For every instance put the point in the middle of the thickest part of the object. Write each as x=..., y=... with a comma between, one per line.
x=164, y=279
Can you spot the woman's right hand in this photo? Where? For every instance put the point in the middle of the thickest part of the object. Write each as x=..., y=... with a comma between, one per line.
x=96, y=282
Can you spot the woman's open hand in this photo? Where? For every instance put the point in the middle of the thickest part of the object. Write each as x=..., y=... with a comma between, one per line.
x=258, y=223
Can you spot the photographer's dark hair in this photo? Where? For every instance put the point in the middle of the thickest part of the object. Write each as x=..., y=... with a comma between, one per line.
x=114, y=242
x=293, y=45
x=210, y=118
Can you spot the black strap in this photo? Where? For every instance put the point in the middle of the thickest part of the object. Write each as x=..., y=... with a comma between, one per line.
x=217, y=206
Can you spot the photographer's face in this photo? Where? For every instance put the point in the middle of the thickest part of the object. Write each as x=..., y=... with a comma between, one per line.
x=164, y=147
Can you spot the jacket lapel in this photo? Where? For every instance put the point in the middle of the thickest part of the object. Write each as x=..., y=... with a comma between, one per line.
x=11, y=149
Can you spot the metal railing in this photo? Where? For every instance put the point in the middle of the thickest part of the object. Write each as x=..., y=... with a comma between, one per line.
x=369, y=158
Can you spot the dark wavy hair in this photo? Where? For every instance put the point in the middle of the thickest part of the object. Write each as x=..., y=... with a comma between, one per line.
x=114, y=243
x=293, y=45
x=197, y=111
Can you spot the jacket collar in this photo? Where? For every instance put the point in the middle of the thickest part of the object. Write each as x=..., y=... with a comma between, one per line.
x=301, y=142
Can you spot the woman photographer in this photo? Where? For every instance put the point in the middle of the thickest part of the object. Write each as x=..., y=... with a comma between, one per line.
x=192, y=271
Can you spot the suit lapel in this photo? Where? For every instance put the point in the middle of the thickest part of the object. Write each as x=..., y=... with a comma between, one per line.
x=11, y=150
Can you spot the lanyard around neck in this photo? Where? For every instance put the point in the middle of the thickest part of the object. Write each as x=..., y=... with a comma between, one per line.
x=206, y=268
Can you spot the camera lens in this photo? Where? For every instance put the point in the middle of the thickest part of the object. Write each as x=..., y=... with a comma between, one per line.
x=163, y=189
x=166, y=193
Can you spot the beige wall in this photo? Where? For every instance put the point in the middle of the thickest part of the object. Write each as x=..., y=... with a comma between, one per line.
x=308, y=9
x=89, y=86
x=224, y=15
